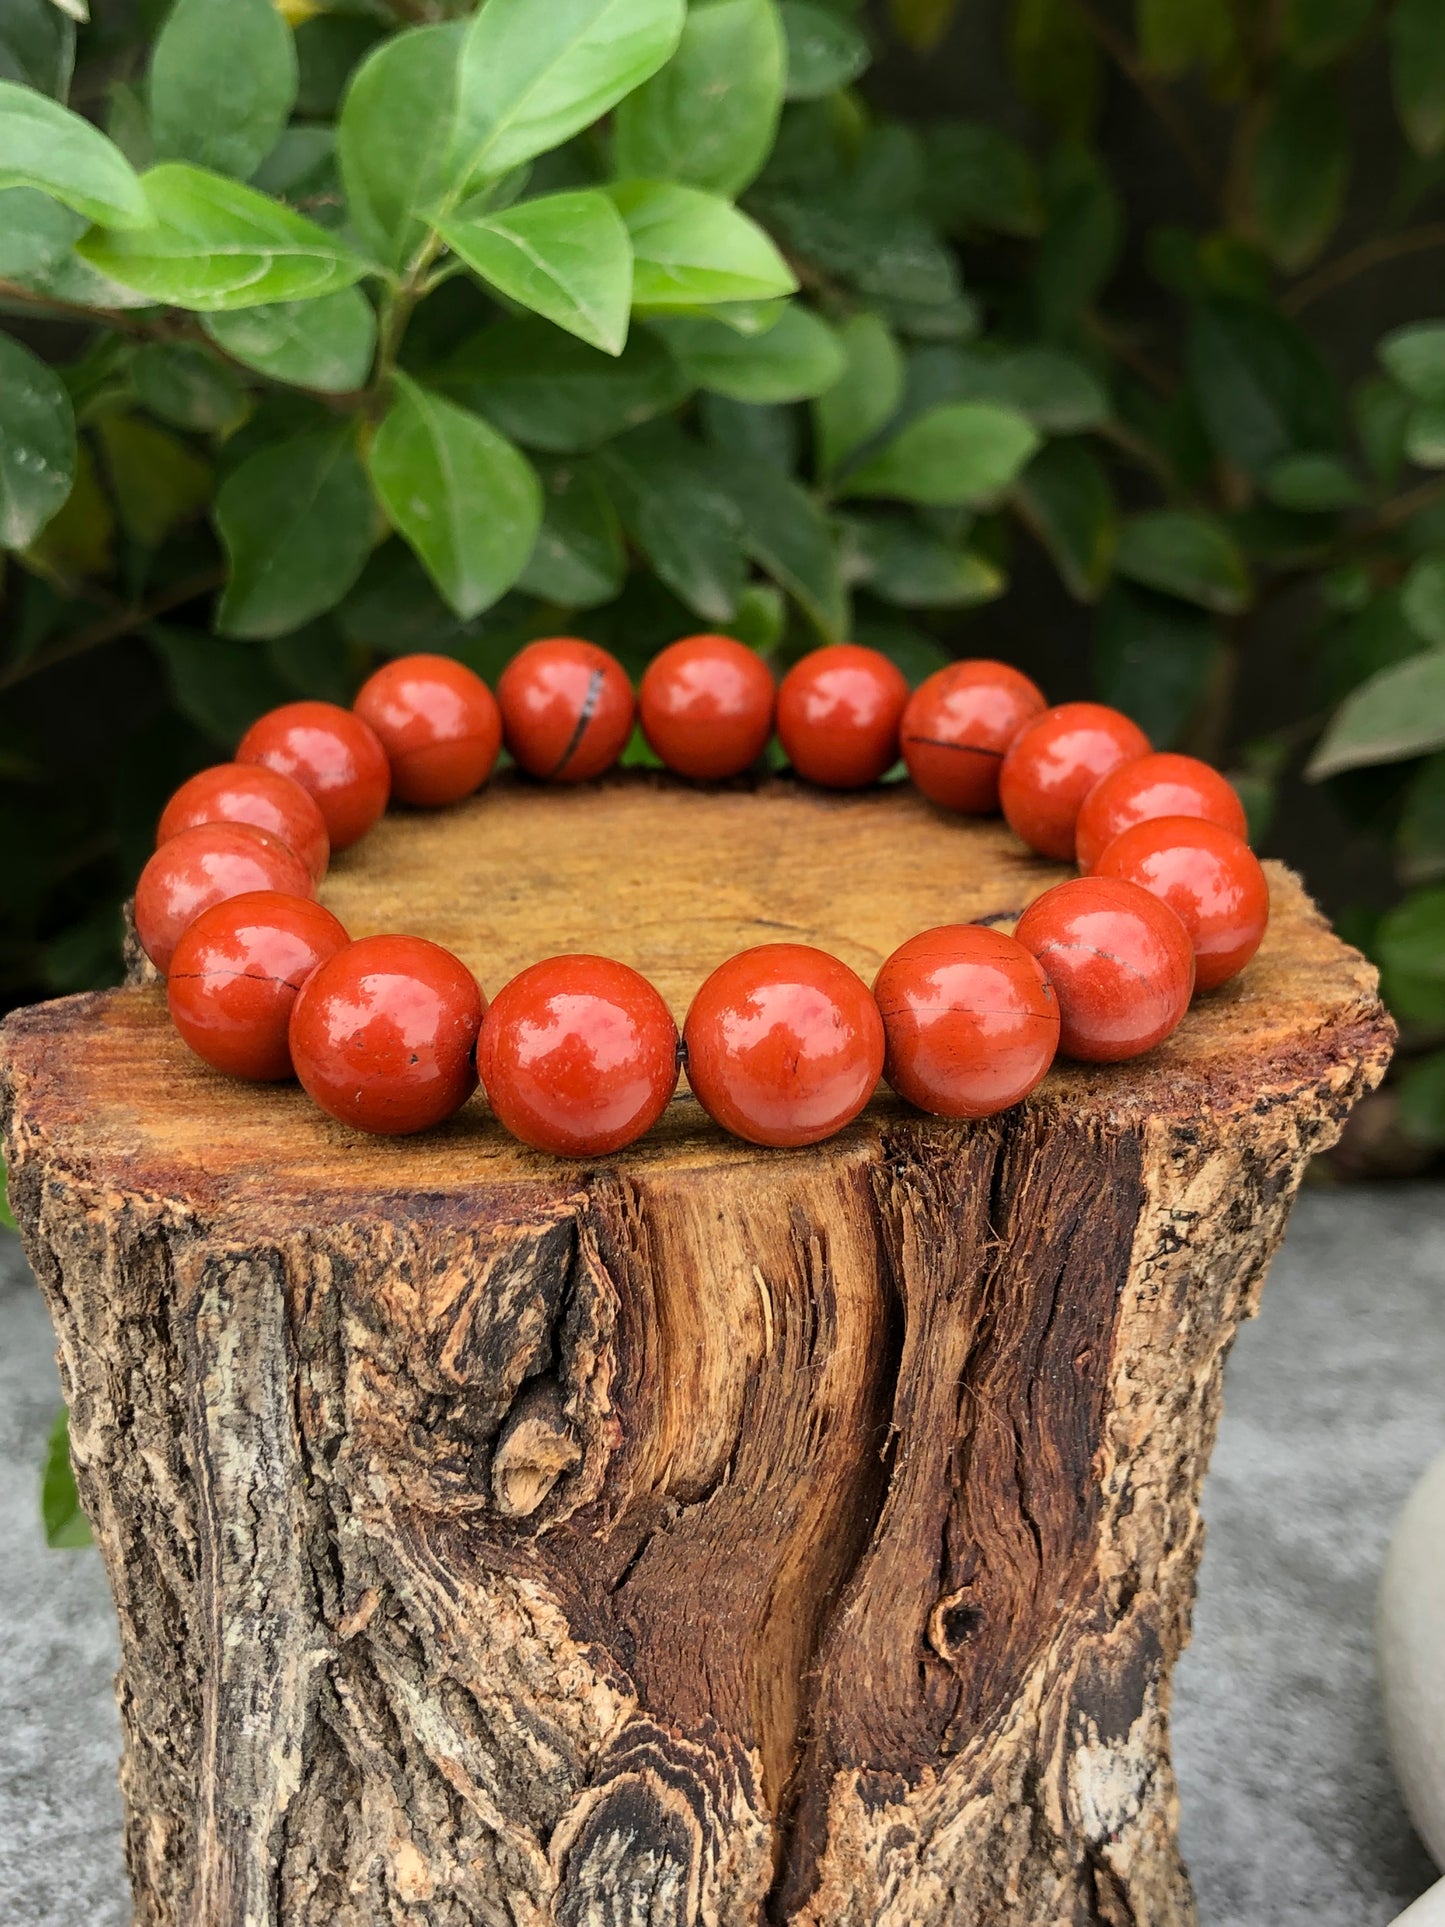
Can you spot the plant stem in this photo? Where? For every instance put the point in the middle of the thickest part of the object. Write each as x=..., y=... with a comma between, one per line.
x=1370, y=254
x=1165, y=108
x=110, y=628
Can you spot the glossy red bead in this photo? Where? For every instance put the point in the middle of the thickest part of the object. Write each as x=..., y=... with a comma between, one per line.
x=332, y=754
x=567, y=709
x=203, y=866
x=383, y=1035
x=1162, y=784
x=839, y=712
x=784, y=1045
x=1119, y=960
x=706, y=706
x=439, y=725
x=958, y=727
x=578, y=1055
x=971, y=1020
x=235, y=975
x=1053, y=764
x=1209, y=878
x=250, y=793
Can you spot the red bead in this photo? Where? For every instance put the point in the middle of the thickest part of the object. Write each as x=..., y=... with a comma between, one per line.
x=578, y=1056
x=329, y=752
x=706, y=705
x=958, y=726
x=1053, y=764
x=784, y=1045
x=1210, y=879
x=383, y=1035
x=839, y=711
x=247, y=793
x=971, y=1020
x=1159, y=785
x=567, y=709
x=1120, y=963
x=207, y=865
x=439, y=725
x=235, y=975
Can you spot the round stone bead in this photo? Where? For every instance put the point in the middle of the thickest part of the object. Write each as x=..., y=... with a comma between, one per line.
x=578, y=1056
x=839, y=712
x=203, y=866
x=784, y=1045
x=251, y=793
x=958, y=727
x=567, y=709
x=1161, y=784
x=331, y=753
x=1120, y=963
x=383, y=1035
x=439, y=725
x=971, y=1020
x=1052, y=765
x=235, y=975
x=706, y=706
x=1209, y=878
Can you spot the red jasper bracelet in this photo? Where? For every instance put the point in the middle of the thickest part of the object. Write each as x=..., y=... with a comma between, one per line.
x=783, y=1045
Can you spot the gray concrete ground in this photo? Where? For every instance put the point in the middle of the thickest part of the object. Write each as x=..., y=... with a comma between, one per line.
x=1335, y=1402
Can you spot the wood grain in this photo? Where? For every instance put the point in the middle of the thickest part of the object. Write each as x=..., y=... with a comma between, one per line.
x=700, y=1535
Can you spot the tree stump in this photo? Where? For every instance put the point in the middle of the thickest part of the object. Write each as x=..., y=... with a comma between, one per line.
x=704, y=1535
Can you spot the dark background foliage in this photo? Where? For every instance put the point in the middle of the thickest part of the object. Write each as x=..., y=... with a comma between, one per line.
x=1190, y=243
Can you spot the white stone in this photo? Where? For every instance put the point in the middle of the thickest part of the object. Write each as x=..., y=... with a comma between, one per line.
x=1410, y=1632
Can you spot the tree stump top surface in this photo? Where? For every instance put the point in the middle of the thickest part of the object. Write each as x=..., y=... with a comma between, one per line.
x=671, y=880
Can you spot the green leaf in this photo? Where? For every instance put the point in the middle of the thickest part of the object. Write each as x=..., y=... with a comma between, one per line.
x=1175, y=35
x=676, y=507
x=1415, y=356
x=1420, y=839
x=976, y=177
x=532, y=77
x=156, y=481
x=825, y=50
x=899, y=559
x=1312, y=484
x=79, y=541
x=1410, y=949
x=37, y=46
x=710, y=116
x=1381, y=415
x=579, y=560
x=963, y=452
x=1153, y=658
x=36, y=233
x=330, y=46
x=1422, y=1099
x=213, y=244
x=231, y=127
x=1417, y=72
x=1055, y=391
x=187, y=386
x=1081, y=242
x=866, y=395
x=1188, y=555
x=44, y=145
x=1056, y=63
x=694, y=249
x=66, y=1526
x=325, y=344
x=1397, y=714
x=916, y=654
x=467, y=501
x=548, y=390
x=799, y=358
x=769, y=430
x=37, y=445
x=1301, y=163
x=393, y=137
x=1317, y=31
x=295, y=519
x=220, y=686
x=1423, y=598
x=1065, y=498
x=567, y=256
x=1425, y=436
x=1261, y=386
x=787, y=534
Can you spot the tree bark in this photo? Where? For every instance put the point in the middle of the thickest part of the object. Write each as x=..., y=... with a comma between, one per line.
x=703, y=1535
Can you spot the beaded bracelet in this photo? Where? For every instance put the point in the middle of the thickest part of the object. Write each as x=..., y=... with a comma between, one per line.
x=783, y=1044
